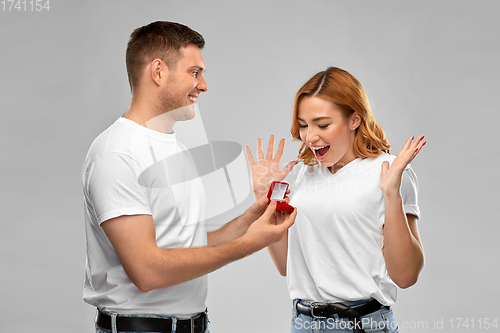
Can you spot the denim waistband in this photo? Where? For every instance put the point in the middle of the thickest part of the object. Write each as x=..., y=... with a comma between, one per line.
x=348, y=303
x=148, y=315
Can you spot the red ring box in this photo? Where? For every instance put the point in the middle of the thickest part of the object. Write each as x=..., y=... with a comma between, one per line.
x=277, y=192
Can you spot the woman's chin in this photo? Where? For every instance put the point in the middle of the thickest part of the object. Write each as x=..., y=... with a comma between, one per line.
x=326, y=164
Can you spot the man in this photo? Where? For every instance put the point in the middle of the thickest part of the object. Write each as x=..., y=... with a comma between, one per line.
x=148, y=251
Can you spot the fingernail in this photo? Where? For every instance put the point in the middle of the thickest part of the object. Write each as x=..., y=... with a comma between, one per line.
x=422, y=137
x=416, y=150
x=423, y=144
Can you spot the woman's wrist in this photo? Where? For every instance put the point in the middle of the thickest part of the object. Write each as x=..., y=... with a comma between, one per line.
x=392, y=196
x=258, y=195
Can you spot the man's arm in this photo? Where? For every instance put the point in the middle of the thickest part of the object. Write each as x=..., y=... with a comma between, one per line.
x=239, y=226
x=229, y=231
x=149, y=267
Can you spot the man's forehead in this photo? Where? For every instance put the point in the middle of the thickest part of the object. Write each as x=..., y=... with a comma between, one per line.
x=191, y=57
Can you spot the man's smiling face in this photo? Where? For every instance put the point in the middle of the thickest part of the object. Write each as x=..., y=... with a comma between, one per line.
x=185, y=82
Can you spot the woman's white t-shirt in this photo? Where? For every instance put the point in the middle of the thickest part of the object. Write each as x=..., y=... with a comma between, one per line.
x=335, y=247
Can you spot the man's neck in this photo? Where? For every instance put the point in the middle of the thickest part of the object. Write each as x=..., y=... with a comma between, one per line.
x=147, y=116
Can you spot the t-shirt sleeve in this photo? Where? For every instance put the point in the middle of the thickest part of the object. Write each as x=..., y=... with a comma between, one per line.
x=113, y=189
x=409, y=192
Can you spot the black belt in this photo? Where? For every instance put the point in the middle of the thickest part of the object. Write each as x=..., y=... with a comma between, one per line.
x=328, y=310
x=142, y=324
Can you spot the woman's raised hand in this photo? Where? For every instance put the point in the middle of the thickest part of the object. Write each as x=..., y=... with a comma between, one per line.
x=390, y=177
x=266, y=170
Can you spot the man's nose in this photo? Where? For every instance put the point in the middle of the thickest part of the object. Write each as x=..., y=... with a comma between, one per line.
x=202, y=84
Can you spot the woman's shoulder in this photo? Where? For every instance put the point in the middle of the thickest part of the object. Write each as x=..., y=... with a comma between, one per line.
x=380, y=158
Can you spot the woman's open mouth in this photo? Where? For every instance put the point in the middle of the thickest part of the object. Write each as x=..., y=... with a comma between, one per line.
x=320, y=152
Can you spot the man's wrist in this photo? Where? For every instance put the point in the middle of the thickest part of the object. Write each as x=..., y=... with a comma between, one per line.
x=243, y=222
x=248, y=245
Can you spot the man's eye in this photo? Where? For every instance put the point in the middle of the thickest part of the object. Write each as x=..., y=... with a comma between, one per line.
x=195, y=74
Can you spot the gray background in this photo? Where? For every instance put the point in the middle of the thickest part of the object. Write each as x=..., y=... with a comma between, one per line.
x=429, y=67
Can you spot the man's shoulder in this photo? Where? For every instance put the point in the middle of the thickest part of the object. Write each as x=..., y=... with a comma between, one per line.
x=119, y=138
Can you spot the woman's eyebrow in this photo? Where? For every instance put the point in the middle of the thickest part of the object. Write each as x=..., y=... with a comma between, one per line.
x=315, y=119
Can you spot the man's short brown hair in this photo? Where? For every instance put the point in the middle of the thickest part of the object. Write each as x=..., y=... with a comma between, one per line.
x=158, y=40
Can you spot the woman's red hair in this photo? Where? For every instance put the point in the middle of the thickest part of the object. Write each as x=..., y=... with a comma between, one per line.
x=342, y=89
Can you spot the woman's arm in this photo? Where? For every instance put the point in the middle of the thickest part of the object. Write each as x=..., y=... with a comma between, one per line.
x=403, y=250
x=279, y=252
x=264, y=171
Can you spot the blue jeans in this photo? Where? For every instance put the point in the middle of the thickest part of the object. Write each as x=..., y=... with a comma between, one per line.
x=113, y=323
x=378, y=321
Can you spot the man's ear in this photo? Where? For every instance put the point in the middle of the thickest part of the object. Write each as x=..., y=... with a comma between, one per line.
x=158, y=70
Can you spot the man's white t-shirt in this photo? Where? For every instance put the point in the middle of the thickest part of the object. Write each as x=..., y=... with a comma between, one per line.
x=335, y=247
x=126, y=172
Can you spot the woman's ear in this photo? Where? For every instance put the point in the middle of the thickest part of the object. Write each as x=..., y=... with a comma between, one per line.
x=355, y=120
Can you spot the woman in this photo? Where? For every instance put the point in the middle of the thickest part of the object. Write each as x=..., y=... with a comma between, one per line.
x=355, y=238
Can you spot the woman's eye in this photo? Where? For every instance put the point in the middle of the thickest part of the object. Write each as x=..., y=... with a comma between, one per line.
x=322, y=126
x=302, y=126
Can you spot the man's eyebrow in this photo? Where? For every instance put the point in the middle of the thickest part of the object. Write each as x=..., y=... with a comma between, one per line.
x=201, y=69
